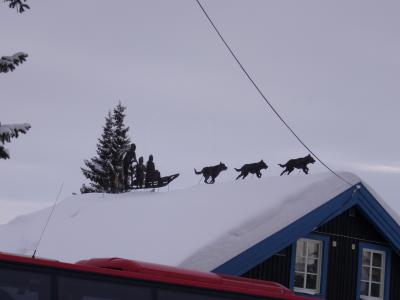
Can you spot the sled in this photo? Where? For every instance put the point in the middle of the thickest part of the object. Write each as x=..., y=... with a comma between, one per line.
x=161, y=182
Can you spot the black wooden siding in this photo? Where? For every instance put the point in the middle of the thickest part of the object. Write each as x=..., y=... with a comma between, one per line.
x=347, y=230
x=352, y=224
x=274, y=269
x=342, y=270
x=395, y=278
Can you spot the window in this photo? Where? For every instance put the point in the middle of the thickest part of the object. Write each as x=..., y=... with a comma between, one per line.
x=372, y=274
x=307, y=270
x=23, y=285
x=85, y=289
x=374, y=265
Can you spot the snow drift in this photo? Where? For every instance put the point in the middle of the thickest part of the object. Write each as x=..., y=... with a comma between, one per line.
x=200, y=228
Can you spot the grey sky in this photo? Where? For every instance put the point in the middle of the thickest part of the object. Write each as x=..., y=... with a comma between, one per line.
x=330, y=68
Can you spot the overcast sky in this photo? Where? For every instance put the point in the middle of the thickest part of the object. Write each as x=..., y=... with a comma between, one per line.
x=331, y=69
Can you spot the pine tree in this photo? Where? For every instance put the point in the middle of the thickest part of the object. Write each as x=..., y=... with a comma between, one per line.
x=105, y=171
x=121, y=145
x=9, y=131
x=8, y=63
x=99, y=169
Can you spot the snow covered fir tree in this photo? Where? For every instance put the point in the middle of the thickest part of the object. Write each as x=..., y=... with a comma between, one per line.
x=121, y=144
x=105, y=171
x=9, y=63
x=98, y=169
x=8, y=132
x=19, y=5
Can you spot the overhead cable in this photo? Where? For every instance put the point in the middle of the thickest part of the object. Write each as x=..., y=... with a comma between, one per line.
x=265, y=98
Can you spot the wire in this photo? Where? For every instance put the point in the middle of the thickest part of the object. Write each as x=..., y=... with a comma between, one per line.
x=48, y=219
x=265, y=98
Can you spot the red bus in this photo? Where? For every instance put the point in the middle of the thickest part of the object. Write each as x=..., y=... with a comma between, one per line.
x=25, y=278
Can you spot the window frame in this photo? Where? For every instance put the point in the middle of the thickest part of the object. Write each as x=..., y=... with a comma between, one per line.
x=305, y=273
x=386, y=269
x=323, y=266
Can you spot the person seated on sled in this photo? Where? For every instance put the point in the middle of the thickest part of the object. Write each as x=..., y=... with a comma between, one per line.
x=152, y=175
x=139, y=170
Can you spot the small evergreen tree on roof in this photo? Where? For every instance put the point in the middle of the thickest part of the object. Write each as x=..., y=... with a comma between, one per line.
x=98, y=169
x=105, y=170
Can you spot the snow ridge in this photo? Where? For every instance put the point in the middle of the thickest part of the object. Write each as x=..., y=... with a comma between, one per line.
x=199, y=228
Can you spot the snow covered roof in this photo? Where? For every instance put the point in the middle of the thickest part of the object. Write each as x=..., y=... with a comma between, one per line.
x=199, y=228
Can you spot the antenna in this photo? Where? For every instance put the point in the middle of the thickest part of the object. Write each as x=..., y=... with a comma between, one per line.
x=48, y=219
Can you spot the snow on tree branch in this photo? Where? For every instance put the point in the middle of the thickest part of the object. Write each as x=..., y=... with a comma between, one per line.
x=8, y=63
x=18, y=4
x=9, y=131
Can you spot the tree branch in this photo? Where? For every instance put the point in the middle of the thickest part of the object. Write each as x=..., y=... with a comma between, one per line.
x=18, y=4
x=8, y=63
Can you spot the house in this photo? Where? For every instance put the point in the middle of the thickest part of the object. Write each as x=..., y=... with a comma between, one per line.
x=347, y=247
x=316, y=234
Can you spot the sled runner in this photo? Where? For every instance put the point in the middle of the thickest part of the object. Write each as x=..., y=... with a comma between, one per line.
x=157, y=183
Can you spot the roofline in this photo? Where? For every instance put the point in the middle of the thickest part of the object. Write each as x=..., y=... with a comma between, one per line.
x=124, y=268
x=357, y=195
x=375, y=212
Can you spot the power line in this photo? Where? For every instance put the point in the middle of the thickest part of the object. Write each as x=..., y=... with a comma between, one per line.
x=265, y=98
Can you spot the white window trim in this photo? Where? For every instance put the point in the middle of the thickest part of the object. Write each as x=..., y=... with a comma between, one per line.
x=370, y=279
x=319, y=274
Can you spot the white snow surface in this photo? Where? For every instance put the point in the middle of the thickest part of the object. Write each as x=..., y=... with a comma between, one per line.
x=197, y=228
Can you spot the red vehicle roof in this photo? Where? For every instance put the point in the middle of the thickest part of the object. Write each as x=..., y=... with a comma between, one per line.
x=119, y=267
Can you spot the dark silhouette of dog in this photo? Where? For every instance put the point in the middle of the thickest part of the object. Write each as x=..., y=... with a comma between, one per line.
x=298, y=163
x=212, y=171
x=254, y=168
